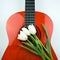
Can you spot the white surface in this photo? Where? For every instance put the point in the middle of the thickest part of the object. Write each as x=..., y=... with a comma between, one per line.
x=50, y=7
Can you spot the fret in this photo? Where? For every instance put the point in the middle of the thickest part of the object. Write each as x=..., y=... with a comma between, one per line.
x=30, y=0
x=30, y=6
x=28, y=17
x=27, y=3
x=30, y=14
x=30, y=11
x=29, y=22
x=31, y=19
x=26, y=21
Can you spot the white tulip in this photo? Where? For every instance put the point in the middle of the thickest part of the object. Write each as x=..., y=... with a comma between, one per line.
x=32, y=29
x=22, y=36
x=26, y=31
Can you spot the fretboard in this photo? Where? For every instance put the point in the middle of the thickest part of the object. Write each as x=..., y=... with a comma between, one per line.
x=29, y=12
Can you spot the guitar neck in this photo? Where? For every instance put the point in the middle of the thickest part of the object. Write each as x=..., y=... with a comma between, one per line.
x=29, y=12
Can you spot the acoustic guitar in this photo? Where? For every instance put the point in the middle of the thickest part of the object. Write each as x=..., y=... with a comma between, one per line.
x=25, y=18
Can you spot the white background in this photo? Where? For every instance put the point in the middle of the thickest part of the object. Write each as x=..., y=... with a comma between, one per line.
x=50, y=7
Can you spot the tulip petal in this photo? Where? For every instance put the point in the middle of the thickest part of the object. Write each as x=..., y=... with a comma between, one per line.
x=22, y=36
x=32, y=29
x=26, y=31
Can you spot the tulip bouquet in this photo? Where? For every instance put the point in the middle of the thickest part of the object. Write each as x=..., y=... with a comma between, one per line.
x=31, y=42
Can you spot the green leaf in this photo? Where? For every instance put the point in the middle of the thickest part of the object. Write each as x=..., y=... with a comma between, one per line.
x=48, y=41
x=37, y=42
x=48, y=46
x=35, y=49
x=32, y=46
x=29, y=45
x=30, y=50
x=46, y=31
x=33, y=41
x=41, y=48
x=49, y=49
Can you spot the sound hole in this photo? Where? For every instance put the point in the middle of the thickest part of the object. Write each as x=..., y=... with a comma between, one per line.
x=38, y=32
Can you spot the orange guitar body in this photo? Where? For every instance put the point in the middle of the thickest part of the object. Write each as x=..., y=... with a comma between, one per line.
x=14, y=24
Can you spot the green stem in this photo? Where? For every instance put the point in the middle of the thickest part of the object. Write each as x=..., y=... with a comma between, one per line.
x=40, y=42
x=34, y=47
x=40, y=45
x=36, y=42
